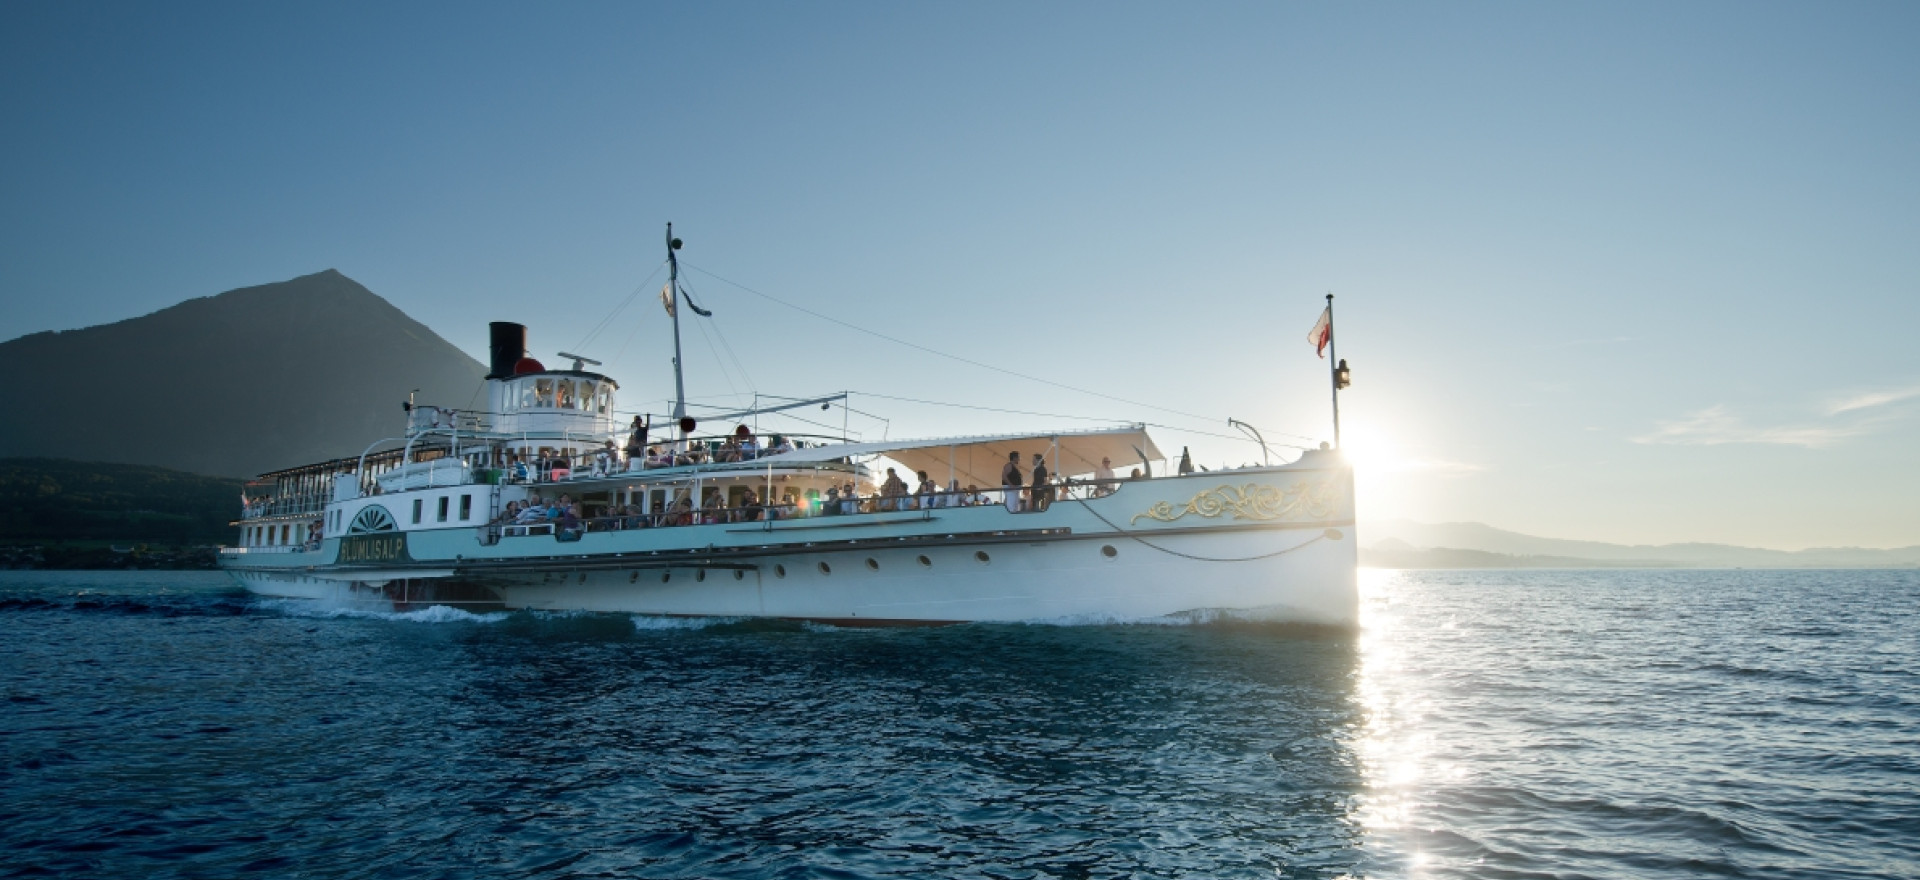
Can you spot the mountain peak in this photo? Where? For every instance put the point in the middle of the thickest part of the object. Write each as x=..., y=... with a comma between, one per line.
x=234, y=384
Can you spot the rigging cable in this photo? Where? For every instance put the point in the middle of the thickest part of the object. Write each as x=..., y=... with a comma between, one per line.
x=955, y=357
x=1021, y=412
x=608, y=320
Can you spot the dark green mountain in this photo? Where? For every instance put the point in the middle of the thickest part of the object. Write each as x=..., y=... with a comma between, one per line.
x=44, y=499
x=248, y=381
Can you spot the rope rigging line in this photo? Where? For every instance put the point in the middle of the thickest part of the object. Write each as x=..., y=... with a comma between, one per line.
x=724, y=373
x=1096, y=515
x=1022, y=412
x=737, y=363
x=608, y=320
x=953, y=357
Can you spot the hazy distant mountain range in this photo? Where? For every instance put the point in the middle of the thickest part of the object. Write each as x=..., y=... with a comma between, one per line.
x=248, y=381
x=1407, y=544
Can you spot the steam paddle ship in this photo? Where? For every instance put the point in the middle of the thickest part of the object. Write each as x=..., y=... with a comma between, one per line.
x=728, y=525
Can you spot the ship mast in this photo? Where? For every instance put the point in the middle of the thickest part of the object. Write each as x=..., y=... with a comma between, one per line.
x=673, y=310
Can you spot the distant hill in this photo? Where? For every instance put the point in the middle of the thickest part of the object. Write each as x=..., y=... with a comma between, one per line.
x=248, y=381
x=1407, y=544
x=44, y=499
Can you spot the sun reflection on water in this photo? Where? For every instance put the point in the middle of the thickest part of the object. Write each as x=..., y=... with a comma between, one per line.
x=1393, y=748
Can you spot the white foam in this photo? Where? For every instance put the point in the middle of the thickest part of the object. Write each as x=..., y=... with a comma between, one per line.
x=649, y=623
x=1195, y=617
x=329, y=610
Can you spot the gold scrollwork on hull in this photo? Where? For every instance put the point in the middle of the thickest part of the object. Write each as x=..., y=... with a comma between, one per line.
x=1252, y=501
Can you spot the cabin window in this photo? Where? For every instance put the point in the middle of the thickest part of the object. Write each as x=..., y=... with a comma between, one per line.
x=563, y=394
x=441, y=514
x=543, y=392
x=286, y=534
x=416, y=511
x=525, y=393
x=585, y=401
x=606, y=399
x=466, y=507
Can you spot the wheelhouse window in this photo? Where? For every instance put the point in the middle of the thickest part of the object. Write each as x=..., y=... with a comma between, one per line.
x=563, y=394
x=585, y=401
x=543, y=392
x=525, y=393
x=606, y=399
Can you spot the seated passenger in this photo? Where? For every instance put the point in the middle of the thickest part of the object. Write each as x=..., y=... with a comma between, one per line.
x=780, y=444
x=729, y=451
x=830, y=503
x=974, y=497
x=953, y=497
x=849, y=500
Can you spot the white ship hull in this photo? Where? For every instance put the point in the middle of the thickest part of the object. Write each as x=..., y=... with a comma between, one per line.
x=1098, y=559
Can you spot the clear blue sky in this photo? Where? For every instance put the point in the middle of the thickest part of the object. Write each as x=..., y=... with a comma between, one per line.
x=1630, y=272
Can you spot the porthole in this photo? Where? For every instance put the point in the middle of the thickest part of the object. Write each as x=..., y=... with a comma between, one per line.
x=925, y=562
x=873, y=564
x=739, y=575
x=633, y=578
x=666, y=576
x=1109, y=552
x=982, y=556
x=700, y=575
x=825, y=568
x=779, y=571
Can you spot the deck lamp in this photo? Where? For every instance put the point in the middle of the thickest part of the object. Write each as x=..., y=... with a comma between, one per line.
x=1342, y=377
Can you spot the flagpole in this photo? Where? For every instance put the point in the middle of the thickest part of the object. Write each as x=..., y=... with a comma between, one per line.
x=1333, y=371
x=673, y=283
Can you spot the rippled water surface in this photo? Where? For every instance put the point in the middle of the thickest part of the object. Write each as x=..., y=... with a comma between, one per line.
x=1480, y=724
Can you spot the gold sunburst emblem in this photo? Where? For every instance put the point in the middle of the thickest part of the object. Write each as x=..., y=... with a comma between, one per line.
x=1252, y=501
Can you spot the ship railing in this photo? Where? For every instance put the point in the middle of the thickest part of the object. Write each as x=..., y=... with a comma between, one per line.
x=1025, y=502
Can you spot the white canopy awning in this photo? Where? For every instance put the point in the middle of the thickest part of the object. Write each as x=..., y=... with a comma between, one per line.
x=978, y=460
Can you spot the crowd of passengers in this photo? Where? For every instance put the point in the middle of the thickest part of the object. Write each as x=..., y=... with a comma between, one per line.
x=1021, y=491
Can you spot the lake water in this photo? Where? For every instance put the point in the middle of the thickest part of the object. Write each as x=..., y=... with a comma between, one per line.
x=1480, y=724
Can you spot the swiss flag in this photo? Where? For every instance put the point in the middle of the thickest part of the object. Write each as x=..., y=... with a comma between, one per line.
x=1322, y=332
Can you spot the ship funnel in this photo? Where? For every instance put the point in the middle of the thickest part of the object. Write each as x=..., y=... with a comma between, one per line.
x=509, y=344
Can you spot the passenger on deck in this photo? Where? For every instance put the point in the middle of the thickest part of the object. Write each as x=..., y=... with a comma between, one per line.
x=532, y=512
x=789, y=506
x=926, y=495
x=953, y=498
x=1042, y=496
x=637, y=440
x=974, y=497
x=729, y=451
x=780, y=444
x=1135, y=475
x=749, y=447
x=1010, y=479
x=559, y=468
x=893, y=492
x=750, y=507
x=830, y=503
x=1104, y=474
x=849, y=500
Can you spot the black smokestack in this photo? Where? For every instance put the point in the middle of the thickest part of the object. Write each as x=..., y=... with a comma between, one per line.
x=509, y=344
